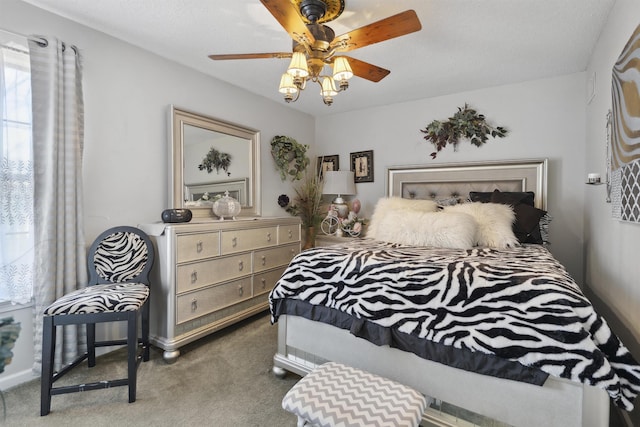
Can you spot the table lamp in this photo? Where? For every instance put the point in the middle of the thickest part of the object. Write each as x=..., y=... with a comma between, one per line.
x=340, y=183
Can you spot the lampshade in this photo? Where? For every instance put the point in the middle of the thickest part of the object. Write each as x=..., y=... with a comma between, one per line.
x=298, y=66
x=341, y=69
x=286, y=85
x=328, y=87
x=339, y=182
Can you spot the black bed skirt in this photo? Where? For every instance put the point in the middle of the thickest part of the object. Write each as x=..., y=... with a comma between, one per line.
x=468, y=360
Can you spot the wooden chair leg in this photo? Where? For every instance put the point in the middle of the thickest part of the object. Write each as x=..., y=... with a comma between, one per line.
x=91, y=344
x=132, y=351
x=48, y=351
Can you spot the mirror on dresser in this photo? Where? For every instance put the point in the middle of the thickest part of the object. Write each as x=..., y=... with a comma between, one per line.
x=209, y=157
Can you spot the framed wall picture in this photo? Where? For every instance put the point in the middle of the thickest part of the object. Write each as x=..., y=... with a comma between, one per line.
x=327, y=163
x=362, y=165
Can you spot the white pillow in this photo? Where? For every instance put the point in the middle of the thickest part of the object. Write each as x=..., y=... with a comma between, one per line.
x=437, y=229
x=389, y=205
x=494, y=220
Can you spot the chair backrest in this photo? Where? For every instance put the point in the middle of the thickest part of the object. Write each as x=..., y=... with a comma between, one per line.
x=120, y=254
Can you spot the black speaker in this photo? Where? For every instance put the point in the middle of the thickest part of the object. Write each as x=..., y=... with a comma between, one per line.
x=176, y=215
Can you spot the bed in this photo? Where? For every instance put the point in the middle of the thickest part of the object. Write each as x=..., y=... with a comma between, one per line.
x=380, y=306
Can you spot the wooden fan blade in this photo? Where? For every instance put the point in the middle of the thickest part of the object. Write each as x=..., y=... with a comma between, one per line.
x=278, y=55
x=394, y=26
x=367, y=71
x=286, y=14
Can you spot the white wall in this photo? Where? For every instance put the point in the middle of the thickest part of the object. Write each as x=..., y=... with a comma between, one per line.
x=545, y=118
x=611, y=246
x=127, y=93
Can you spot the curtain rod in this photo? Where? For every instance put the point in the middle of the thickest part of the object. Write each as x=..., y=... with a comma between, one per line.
x=14, y=49
x=40, y=40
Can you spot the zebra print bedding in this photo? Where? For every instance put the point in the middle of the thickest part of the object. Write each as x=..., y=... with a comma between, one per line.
x=517, y=305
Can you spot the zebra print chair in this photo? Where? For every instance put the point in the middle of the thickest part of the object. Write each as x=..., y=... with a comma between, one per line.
x=119, y=262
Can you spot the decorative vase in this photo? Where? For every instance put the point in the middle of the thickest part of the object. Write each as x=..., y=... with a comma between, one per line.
x=355, y=206
x=309, y=238
x=226, y=207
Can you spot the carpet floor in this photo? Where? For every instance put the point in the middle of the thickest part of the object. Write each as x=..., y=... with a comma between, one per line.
x=224, y=379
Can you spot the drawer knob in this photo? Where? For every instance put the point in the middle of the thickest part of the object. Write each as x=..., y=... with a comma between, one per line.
x=290, y=234
x=194, y=276
x=199, y=246
x=240, y=290
x=194, y=305
x=268, y=237
x=240, y=266
x=234, y=242
x=264, y=260
x=264, y=283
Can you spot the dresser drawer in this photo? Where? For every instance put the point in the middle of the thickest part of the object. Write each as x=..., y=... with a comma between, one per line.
x=192, y=247
x=288, y=233
x=265, y=259
x=207, y=300
x=264, y=282
x=242, y=240
x=198, y=274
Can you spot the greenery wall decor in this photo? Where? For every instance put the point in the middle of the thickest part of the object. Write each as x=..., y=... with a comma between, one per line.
x=290, y=157
x=465, y=123
x=216, y=160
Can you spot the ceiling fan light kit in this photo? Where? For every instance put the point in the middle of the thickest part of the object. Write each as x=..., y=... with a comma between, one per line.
x=294, y=80
x=315, y=46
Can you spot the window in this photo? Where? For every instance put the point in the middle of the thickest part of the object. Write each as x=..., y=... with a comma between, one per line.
x=16, y=172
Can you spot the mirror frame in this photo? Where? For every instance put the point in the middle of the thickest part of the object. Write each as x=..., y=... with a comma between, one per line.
x=180, y=117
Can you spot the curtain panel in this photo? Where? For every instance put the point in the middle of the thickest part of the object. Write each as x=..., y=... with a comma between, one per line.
x=16, y=172
x=58, y=138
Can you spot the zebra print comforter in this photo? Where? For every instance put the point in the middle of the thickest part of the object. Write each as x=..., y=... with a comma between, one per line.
x=517, y=305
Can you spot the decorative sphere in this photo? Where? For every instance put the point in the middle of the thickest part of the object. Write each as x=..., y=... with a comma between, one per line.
x=226, y=207
x=355, y=205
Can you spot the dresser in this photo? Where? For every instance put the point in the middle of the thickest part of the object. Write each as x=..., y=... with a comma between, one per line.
x=211, y=274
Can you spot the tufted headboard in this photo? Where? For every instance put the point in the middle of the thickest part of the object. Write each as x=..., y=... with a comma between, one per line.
x=455, y=180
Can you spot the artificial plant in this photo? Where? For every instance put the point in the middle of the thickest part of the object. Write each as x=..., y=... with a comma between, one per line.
x=465, y=123
x=216, y=160
x=290, y=157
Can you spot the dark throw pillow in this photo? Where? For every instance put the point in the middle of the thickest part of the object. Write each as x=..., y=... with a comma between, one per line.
x=527, y=224
x=505, y=197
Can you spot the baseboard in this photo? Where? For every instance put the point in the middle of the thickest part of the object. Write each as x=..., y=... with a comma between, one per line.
x=8, y=381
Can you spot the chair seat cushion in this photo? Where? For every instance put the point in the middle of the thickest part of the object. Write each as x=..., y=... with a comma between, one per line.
x=339, y=395
x=105, y=298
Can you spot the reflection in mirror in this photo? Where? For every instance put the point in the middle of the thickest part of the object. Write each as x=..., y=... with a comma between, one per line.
x=210, y=157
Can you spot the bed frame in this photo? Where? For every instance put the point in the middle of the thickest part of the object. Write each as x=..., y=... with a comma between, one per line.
x=304, y=344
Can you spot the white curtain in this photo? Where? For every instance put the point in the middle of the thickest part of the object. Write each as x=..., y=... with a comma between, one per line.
x=16, y=172
x=58, y=138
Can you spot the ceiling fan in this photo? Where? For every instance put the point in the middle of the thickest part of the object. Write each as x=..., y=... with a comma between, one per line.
x=316, y=46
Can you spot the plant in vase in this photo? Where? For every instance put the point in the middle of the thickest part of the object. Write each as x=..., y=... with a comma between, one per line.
x=307, y=205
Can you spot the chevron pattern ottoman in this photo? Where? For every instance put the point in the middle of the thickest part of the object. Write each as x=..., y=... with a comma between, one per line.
x=335, y=395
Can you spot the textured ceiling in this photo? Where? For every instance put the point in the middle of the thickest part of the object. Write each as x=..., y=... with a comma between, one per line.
x=463, y=45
